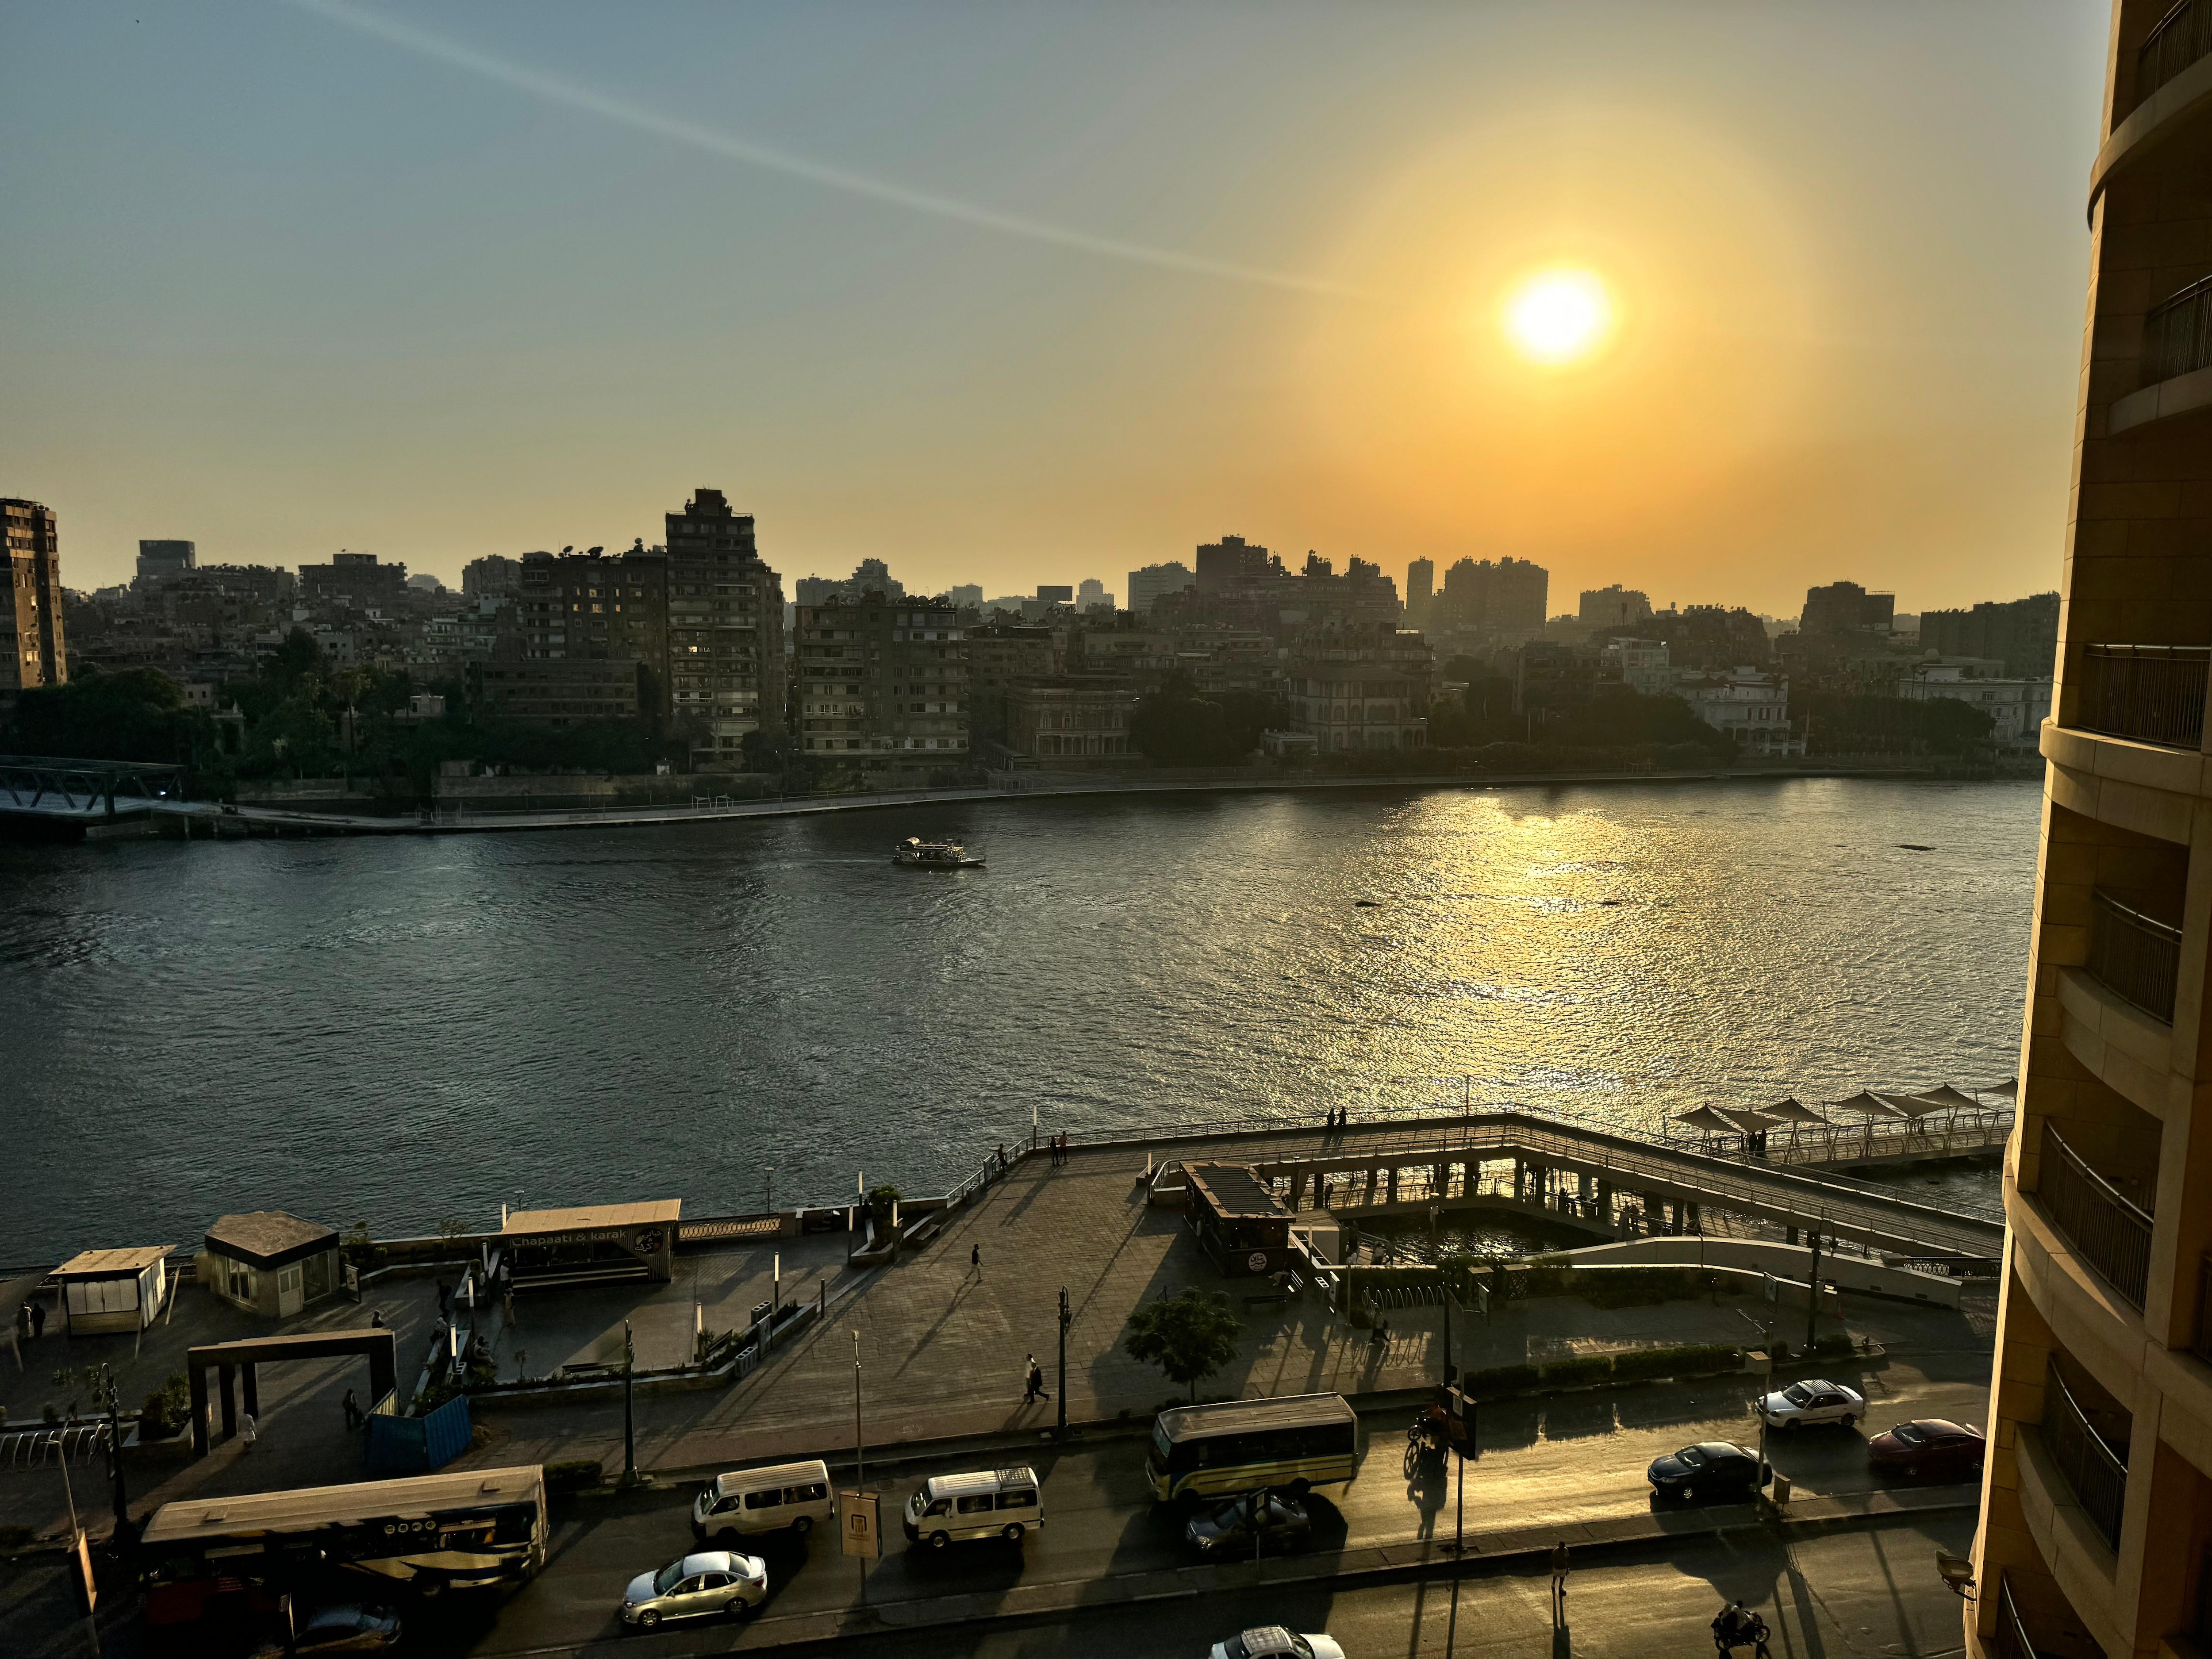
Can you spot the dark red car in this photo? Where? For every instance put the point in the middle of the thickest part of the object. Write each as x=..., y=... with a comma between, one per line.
x=1929, y=1447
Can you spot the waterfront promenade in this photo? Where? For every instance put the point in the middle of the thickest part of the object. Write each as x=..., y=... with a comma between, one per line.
x=214, y=820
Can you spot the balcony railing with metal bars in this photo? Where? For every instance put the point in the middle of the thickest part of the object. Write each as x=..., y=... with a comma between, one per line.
x=2096, y=1473
x=2013, y=1640
x=2183, y=36
x=2178, y=334
x=2106, y=1232
x=2135, y=957
x=2151, y=692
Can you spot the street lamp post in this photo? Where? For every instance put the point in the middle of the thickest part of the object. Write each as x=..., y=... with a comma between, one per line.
x=629, y=1417
x=1065, y=1319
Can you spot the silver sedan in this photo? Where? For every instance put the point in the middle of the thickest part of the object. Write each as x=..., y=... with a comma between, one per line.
x=714, y=1581
x=1814, y=1400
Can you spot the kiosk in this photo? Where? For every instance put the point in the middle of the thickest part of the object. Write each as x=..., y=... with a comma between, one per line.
x=599, y=1244
x=1241, y=1224
x=113, y=1290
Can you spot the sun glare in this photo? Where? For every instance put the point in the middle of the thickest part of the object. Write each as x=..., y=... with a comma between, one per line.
x=1559, y=316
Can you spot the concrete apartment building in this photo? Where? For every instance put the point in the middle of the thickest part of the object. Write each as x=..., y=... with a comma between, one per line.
x=1602, y=608
x=167, y=558
x=585, y=607
x=726, y=666
x=2097, y=1503
x=1155, y=579
x=357, y=581
x=36, y=654
x=882, y=682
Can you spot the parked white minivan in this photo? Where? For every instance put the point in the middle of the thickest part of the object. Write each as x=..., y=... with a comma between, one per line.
x=992, y=1503
x=749, y=1501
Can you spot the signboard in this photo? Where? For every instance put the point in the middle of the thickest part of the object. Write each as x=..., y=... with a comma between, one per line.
x=856, y=1521
x=1460, y=1414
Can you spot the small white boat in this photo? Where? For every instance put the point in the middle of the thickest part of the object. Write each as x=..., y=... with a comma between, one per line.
x=918, y=855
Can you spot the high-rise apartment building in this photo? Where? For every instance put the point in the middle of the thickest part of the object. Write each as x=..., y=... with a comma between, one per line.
x=585, y=607
x=355, y=581
x=494, y=576
x=31, y=627
x=2097, y=1501
x=1089, y=591
x=1846, y=608
x=1612, y=607
x=1154, y=580
x=882, y=682
x=1232, y=562
x=2023, y=633
x=1420, y=588
x=165, y=558
x=726, y=666
x=1506, y=597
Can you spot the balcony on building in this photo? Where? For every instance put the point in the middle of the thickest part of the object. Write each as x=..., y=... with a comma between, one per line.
x=2084, y=1435
x=2095, y=1185
x=2034, y=1620
x=2152, y=693
x=2135, y=955
x=2177, y=360
x=2180, y=39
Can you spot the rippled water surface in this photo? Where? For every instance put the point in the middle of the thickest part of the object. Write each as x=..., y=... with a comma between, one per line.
x=405, y=1029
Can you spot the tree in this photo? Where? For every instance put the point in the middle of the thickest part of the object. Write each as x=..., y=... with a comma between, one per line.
x=1175, y=726
x=1189, y=1336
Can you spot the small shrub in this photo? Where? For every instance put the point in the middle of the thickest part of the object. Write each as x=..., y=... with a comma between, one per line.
x=1573, y=1373
x=1501, y=1380
x=1835, y=1347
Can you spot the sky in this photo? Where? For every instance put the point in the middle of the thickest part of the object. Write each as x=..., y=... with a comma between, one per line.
x=1023, y=292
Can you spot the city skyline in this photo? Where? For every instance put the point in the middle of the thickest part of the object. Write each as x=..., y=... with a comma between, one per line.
x=1058, y=302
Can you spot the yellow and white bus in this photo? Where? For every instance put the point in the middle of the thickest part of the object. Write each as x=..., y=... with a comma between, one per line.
x=1294, y=1444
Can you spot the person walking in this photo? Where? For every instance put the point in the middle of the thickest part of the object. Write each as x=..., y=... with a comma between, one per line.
x=975, y=1259
x=1035, y=1380
x=444, y=1298
x=38, y=1320
x=353, y=1415
x=1560, y=1566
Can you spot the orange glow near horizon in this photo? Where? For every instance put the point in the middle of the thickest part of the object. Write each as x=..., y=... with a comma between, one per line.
x=1559, y=317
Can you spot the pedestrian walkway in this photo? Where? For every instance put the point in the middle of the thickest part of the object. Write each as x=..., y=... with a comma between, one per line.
x=942, y=1341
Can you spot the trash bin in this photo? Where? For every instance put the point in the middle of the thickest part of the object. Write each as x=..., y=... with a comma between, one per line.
x=1781, y=1489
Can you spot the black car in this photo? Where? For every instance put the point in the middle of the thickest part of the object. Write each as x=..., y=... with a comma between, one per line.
x=341, y=1630
x=1226, y=1529
x=1708, y=1469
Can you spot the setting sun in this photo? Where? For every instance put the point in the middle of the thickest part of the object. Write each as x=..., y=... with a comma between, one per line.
x=1559, y=316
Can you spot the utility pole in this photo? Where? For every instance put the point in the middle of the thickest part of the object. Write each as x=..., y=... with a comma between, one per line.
x=1066, y=1319
x=859, y=1462
x=107, y=1386
x=629, y=1416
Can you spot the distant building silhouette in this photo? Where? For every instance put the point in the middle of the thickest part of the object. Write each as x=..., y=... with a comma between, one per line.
x=165, y=558
x=1154, y=580
x=1614, y=607
x=1846, y=608
x=2022, y=633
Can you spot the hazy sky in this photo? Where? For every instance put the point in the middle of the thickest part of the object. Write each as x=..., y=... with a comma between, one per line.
x=1021, y=292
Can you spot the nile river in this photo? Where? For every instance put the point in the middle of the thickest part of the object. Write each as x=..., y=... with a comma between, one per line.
x=410, y=1029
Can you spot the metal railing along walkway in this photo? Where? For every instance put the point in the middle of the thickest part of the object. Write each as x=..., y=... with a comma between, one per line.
x=1788, y=1197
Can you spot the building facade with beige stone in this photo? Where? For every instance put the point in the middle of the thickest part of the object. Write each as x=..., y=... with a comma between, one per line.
x=2097, y=1506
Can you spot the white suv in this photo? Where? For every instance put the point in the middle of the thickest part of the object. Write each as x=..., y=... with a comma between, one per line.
x=1814, y=1400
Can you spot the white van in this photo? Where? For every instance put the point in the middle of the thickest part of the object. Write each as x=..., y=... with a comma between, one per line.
x=996, y=1504
x=746, y=1501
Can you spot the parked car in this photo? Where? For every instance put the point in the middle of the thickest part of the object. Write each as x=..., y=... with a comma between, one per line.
x=696, y=1587
x=1814, y=1400
x=342, y=1629
x=1707, y=1469
x=1929, y=1446
x=1270, y=1640
x=1227, y=1528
